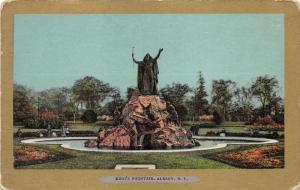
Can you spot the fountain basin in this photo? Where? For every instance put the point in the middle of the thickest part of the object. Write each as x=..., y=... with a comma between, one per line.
x=206, y=143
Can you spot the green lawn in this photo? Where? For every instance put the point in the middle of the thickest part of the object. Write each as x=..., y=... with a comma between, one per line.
x=78, y=126
x=93, y=160
x=109, y=161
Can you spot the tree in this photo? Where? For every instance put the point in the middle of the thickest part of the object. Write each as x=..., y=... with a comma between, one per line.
x=199, y=98
x=264, y=89
x=91, y=92
x=222, y=93
x=243, y=106
x=23, y=104
x=54, y=99
x=129, y=92
x=116, y=101
x=175, y=94
x=89, y=116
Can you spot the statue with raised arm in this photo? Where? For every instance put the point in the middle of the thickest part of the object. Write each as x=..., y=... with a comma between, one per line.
x=147, y=74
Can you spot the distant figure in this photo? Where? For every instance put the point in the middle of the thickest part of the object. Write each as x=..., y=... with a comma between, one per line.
x=41, y=135
x=63, y=130
x=49, y=130
x=67, y=131
x=148, y=74
x=54, y=134
x=19, y=133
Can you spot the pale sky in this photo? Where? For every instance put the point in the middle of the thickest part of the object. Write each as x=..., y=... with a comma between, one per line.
x=54, y=50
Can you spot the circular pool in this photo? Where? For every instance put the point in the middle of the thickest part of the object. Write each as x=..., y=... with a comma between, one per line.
x=206, y=143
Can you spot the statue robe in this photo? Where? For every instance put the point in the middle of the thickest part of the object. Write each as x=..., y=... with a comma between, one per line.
x=147, y=77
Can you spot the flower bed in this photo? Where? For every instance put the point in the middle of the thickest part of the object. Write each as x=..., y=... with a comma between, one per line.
x=276, y=127
x=262, y=157
x=28, y=155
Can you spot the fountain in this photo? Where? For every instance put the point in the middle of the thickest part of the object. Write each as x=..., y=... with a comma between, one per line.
x=147, y=124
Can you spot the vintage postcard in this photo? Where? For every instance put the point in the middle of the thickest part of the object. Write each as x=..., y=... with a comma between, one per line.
x=127, y=95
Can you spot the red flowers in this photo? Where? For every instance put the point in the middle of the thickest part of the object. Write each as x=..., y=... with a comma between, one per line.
x=206, y=117
x=29, y=154
x=263, y=157
x=267, y=120
x=47, y=114
x=276, y=127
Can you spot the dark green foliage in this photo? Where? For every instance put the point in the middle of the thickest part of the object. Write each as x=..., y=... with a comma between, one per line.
x=264, y=89
x=42, y=123
x=200, y=103
x=222, y=93
x=23, y=104
x=89, y=116
x=91, y=92
x=176, y=94
x=130, y=91
x=110, y=107
x=279, y=118
x=217, y=118
x=208, y=125
x=181, y=111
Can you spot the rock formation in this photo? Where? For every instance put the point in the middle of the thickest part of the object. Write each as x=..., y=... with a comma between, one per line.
x=147, y=122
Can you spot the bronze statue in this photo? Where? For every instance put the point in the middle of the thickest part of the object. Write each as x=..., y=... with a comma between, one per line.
x=147, y=74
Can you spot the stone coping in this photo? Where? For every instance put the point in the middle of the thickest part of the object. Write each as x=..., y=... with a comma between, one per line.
x=249, y=141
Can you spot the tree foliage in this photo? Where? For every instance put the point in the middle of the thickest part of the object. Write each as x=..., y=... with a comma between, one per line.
x=129, y=92
x=222, y=93
x=264, y=89
x=200, y=103
x=243, y=105
x=91, y=92
x=23, y=104
x=176, y=94
x=116, y=101
x=89, y=116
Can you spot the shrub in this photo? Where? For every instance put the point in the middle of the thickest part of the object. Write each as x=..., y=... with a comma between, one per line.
x=89, y=116
x=31, y=123
x=279, y=118
x=182, y=112
x=27, y=134
x=82, y=133
x=207, y=125
x=195, y=129
x=211, y=133
x=69, y=115
x=43, y=122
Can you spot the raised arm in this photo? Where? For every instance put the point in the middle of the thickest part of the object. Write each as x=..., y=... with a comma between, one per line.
x=135, y=61
x=160, y=50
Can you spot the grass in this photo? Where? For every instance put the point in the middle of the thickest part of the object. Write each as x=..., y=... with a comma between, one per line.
x=109, y=161
x=203, y=131
x=93, y=160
